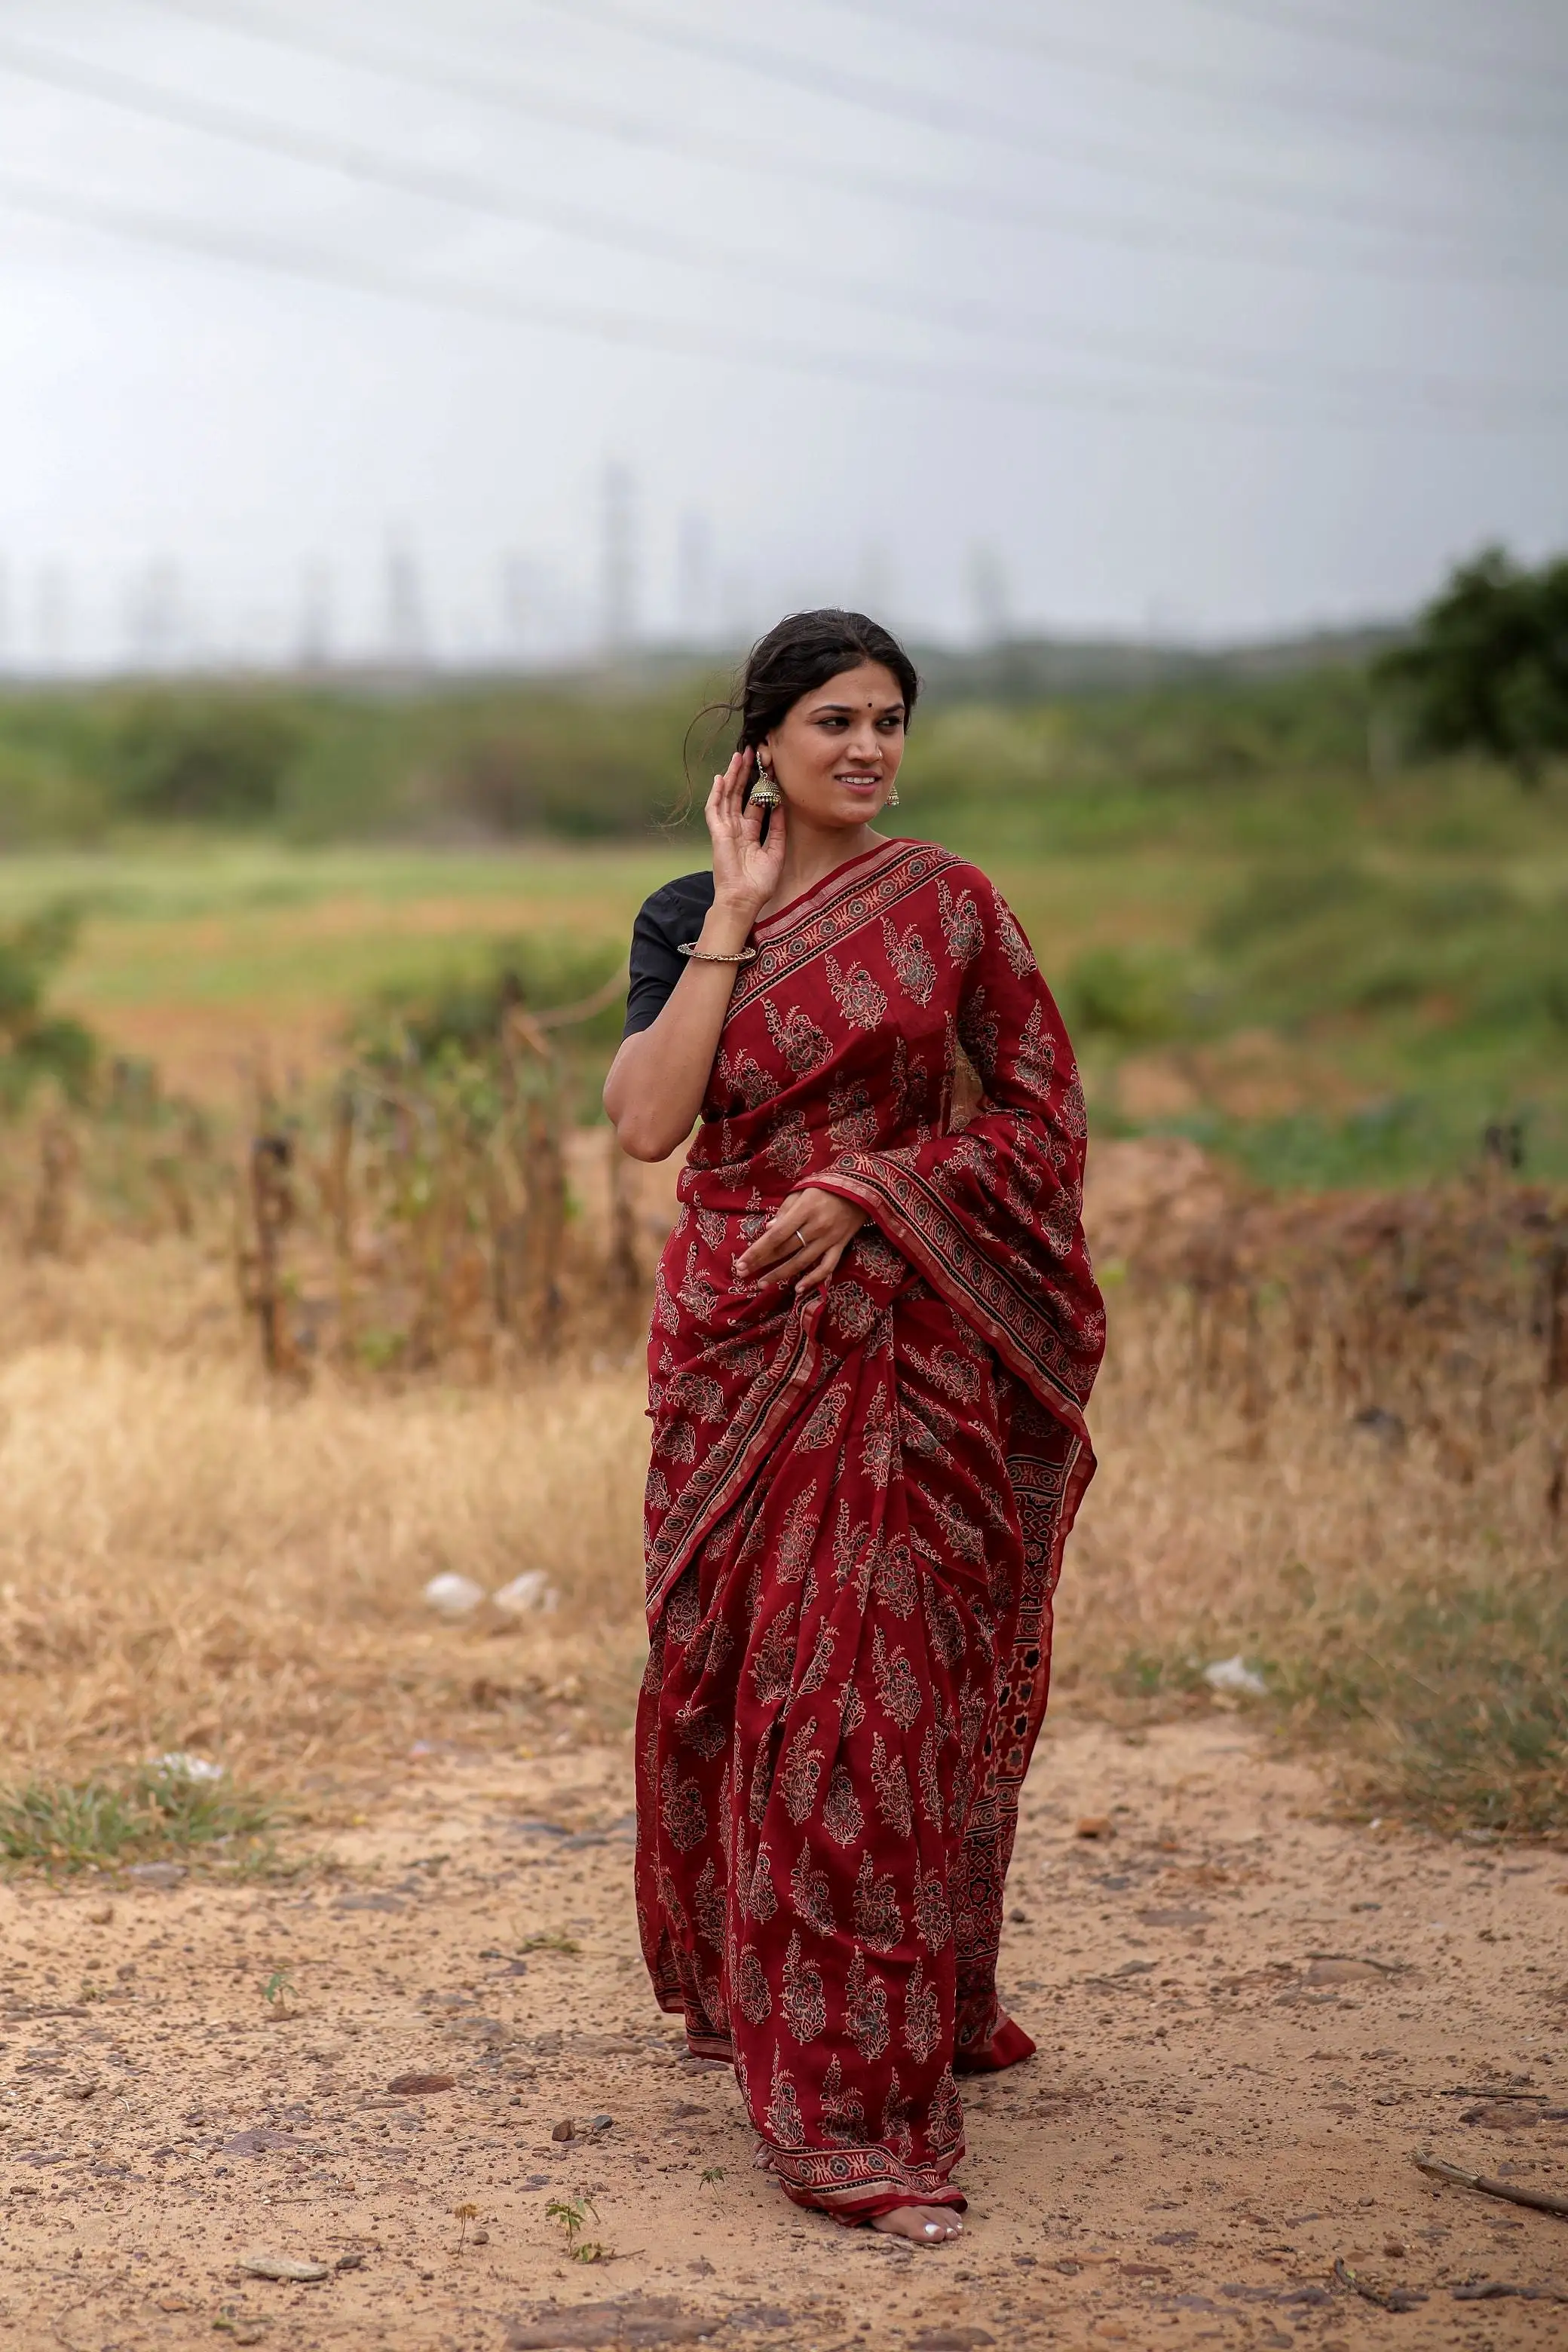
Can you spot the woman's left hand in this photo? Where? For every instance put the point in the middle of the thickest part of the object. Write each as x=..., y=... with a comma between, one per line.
x=808, y=1235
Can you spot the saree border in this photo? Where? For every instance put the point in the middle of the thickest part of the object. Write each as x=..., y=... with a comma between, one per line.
x=857, y=2184
x=844, y=910
x=732, y=1461
x=912, y=1213
x=793, y=909
x=1048, y=1485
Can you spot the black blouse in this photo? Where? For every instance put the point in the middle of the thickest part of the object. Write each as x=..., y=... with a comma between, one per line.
x=672, y=917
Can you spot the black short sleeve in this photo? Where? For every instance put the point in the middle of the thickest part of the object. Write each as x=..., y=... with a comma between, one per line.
x=671, y=916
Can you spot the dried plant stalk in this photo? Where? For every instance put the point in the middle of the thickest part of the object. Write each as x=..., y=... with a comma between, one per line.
x=271, y=1204
x=58, y=1160
x=623, y=1275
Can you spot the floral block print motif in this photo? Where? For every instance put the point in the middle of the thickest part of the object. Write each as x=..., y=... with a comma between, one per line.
x=856, y=1514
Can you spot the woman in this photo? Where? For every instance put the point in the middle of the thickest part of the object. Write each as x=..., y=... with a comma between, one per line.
x=875, y=1331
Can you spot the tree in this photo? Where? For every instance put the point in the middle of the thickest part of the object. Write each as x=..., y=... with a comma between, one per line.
x=1486, y=669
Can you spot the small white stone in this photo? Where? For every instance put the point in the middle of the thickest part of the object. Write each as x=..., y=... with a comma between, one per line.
x=181, y=1766
x=1234, y=1674
x=531, y=1589
x=282, y=2266
x=454, y=1596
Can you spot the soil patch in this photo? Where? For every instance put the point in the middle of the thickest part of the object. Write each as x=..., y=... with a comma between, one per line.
x=1226, y=2098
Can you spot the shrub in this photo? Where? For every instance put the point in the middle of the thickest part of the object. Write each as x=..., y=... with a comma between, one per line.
x=463, y=1012
x=1137, y=997
x=33, y=1043
x=215, y=755
x=47, y=796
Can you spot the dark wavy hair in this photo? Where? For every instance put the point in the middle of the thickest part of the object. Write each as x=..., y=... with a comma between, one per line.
x=803, y=653
x=796, y=656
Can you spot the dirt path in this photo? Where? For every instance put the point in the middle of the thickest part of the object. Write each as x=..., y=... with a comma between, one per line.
x=1214, y=2115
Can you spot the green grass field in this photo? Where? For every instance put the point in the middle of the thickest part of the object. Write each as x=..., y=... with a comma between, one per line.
x=1330, y=974
x=253, y=922
x=1325, y=1022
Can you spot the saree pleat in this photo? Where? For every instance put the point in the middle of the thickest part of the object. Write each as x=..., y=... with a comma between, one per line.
x=856, y=1507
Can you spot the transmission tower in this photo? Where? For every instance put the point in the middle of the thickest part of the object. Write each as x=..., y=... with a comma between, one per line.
x=52, y=616
x=518, y=599
x=694, y=579
x=315, y=647
x=990, y=602
x=407, y=642
x=152, y=617
x=618, y=583
x=876, y=589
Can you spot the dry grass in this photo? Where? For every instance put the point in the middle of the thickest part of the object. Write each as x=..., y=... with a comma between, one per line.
x=1336, y=1433
x=188, y=1561
x=192, y=1557
x=1409, y=1621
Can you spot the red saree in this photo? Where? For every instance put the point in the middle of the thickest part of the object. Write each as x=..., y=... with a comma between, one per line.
x=855, y=1513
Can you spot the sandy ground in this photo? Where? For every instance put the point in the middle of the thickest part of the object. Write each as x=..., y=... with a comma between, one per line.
x=1248, y=2018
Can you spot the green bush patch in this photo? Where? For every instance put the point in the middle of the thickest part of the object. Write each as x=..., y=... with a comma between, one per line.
x=1453, y=1700
x=1442, y=1704
x=150, y=1815
x=34, y=1042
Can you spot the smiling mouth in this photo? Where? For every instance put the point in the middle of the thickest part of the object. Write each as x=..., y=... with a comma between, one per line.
x=858, y=776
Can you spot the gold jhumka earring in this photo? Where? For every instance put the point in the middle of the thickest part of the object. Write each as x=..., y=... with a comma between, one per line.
x=765, y=794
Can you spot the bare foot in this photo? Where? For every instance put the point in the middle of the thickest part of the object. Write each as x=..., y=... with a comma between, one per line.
x=928, y=2225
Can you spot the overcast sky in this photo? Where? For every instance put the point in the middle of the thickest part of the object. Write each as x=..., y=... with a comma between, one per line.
x=327, y=318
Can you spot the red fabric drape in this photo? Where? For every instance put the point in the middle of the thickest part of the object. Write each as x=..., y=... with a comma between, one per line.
x=855, y=1512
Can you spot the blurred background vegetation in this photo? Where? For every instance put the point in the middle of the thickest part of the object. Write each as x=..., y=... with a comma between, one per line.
x=599, y=758
x=1308, y=905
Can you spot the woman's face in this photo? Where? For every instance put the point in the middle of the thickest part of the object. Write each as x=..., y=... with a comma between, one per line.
x=836, y=755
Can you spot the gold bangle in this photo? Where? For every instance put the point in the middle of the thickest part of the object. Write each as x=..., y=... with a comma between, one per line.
x=705, y=955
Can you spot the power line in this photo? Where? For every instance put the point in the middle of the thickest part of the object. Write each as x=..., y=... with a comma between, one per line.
x=959, y=119
x=493, y=89
x=459, y=190
x=277, y=258
x=498, y=92
x=1356, y=33
x=469, y=194
x=1031, y=40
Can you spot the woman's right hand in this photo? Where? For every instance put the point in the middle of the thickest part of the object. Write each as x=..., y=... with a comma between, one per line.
x=746, y=868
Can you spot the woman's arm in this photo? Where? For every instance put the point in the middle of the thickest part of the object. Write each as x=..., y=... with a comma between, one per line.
x=658, y=1079
x=657, y=1082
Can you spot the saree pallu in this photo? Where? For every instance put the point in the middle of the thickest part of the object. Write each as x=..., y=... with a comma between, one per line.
x=856, y=1506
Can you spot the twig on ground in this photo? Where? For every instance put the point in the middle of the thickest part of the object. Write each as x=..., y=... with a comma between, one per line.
x=1362, y=1959
x=1483, y=2091
x=1398, y=2298
x=1495, y=2289
x=1437, y=2170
